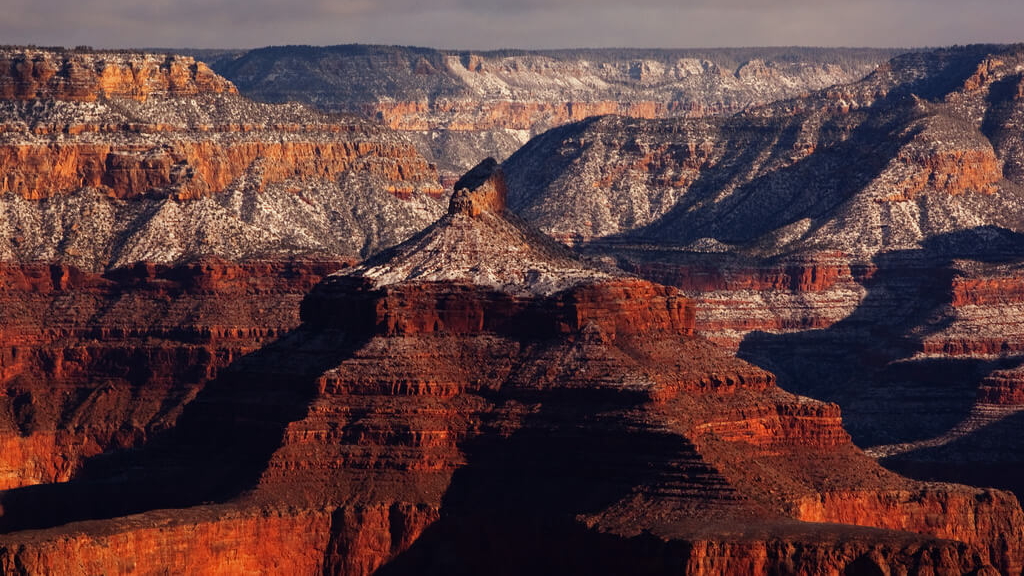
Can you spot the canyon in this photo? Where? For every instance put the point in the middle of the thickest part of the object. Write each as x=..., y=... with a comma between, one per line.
x=246, y=337
x=460, y=106
x=863, y=243
x=480, y=372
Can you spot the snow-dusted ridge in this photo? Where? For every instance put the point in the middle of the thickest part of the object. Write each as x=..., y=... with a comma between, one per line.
x=110, y=158
x=480, y=242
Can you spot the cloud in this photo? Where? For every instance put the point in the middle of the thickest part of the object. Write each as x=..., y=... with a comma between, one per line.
x=478, y=24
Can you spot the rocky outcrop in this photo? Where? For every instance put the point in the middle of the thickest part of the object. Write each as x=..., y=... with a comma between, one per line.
x=86, y=76
x=478, y=400
x=1003, y=388
x=953, y=172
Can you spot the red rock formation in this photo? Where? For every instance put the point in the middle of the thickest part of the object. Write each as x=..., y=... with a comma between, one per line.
x=219, y=540
x=27, y=74
x=987, y=290
x=950, y=172
x=984, y=74
x=474, y=198
x=733, y=298
x=476, y=400
x=191, y=165
x=92, y=362
x=1003, y=388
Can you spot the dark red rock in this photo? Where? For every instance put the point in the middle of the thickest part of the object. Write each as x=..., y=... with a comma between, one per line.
x=94, y=362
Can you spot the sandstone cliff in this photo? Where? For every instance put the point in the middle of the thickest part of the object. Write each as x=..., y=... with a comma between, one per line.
x=477, y=400
x=31, y=74
x=113, y=158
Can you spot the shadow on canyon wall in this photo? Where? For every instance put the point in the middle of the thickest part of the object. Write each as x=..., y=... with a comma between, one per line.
x=216, y=451
x=517, y=505
x=992, y=456
x=770, y=189
x=866, y=362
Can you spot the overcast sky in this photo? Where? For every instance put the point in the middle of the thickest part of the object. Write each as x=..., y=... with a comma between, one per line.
x=480, y=24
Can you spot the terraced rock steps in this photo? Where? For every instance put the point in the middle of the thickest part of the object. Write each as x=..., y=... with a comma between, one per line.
x=863, y=242
x=474, y=417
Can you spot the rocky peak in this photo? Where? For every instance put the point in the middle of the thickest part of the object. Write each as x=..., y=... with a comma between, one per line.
x=479, y=242
x=482, y=189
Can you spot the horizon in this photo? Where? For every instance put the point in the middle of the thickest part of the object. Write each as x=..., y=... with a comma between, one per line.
x=171, y=49
x=489, y=25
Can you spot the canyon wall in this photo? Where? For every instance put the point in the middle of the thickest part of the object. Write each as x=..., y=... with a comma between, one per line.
x=95, y=362
x=459, y=106
x=445, y=408
x=862, y=242
x=161, y=166
x=30, y=74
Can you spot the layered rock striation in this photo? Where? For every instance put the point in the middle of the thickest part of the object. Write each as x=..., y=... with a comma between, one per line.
x=92, y=362
x=161, y=165
x=477, y=400
x=863, y=242
x=459, y=105
x=155, y=227
x=86, y=76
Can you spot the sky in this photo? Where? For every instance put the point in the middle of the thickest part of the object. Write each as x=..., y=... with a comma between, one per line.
x=484, y=24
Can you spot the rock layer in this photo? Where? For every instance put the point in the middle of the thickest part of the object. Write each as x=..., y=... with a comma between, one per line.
x=487, y=421
x=166, y=167
x=187, y=169
x=30, y=74
x=92, y=362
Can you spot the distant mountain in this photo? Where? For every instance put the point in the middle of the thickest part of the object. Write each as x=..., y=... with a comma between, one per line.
x=461, y=105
